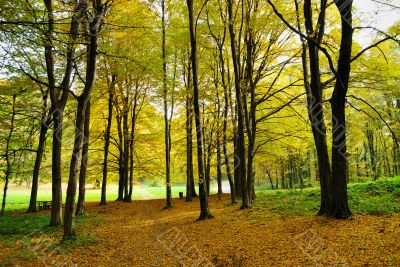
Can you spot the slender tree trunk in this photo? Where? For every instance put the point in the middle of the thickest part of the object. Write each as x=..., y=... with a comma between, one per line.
x=94, y=27
x=225, y=127
x=369, y=132
x=44, y=126
x=121, y=166
x=7, y=155
x=69, y=216
x=166, y=122
x=270, y=180
x=208, y=165
x=126, y=143
x=189, y=144
x=107, y=141
x=84, y=161
x=204, y=211
x=132, y=145
x=314, y=102
x=219, y=169
x=241, y=138
x=283, y=184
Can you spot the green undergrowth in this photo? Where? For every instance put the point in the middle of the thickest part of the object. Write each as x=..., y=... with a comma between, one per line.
x=379, y=197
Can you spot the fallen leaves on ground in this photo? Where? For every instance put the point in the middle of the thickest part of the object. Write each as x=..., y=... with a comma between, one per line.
x=142, y=233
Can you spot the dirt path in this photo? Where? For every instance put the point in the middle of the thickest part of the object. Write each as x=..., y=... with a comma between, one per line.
x=142, y=234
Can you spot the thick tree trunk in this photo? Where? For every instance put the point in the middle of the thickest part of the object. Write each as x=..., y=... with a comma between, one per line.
x=107, y=141
x=84, y=161
x=56, y=206
x=340, y=207
x=204, y=211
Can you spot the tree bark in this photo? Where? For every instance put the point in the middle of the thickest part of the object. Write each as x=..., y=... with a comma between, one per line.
x=84, y=161
x=340, y=207
x=126, y=143
x=107, y=141
x=219, y=169
x=168, y=203
x=204, y=211
x=240, y=122
x=44, y=126
x=189, y=152
x=314, y=100
x=121, y=166
x=94, y=27
x=7, y=155
x=59, y=102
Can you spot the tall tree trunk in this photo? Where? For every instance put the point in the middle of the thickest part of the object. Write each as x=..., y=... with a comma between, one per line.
x=69, y=216
x=125, y=129
x=369, y=132
x=120, y=159
x=208, y=165
x=44, y=126
x=204, y=211
x=189, y=152
x=219, y=169
x=56, y=207
x=94, y=27
x=107, y=141
x=59, y=102
x=84, y=161
x=166, y=122
x=314, y=100
x=7, y=155
x=225, y=126
x=283, y=184
x=241, y=138
x=340, y=207
x=132, y=145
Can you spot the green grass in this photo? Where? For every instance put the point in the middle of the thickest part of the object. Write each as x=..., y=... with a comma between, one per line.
x=380, y=197
x=18, y=197
x=30, y=235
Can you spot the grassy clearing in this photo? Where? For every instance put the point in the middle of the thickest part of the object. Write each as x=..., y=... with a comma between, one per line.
x=18, y=197
x=380, y=197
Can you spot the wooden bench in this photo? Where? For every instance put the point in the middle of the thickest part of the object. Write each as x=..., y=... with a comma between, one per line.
x=44, y=205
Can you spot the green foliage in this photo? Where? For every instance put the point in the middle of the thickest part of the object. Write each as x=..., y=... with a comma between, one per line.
x=380, y=197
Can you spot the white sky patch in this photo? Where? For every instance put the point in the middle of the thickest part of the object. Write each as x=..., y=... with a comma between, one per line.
x=374, y=14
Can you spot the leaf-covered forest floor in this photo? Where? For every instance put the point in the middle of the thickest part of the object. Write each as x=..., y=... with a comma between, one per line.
x=280, y=230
